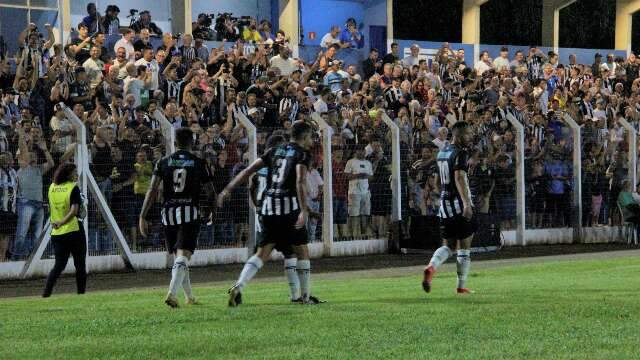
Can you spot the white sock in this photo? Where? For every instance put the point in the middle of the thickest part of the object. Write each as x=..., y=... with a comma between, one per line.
x=177, y=274
x=290, y=266
x=463, y=264
x=186, y=283
x=440, y=256
x=250, y=269
x=304, y=272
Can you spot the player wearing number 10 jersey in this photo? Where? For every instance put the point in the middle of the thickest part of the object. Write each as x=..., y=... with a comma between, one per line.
x=456, y=212
x=182, y=176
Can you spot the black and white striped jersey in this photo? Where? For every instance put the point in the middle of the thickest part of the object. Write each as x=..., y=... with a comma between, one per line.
x=538, y=131
x=451, y=159
x=183, y=175
x=291, y=104
x=8, y=189
x=281, y=196
x=392, y=98
x=236, y=110
x=259, y=186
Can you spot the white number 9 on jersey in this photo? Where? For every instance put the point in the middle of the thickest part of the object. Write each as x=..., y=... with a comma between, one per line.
x=179, y=180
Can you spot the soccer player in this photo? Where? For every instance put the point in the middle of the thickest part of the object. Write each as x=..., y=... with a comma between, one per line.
x=456, y=211
x=284, y=211
x=257, y=188
x=182, y=175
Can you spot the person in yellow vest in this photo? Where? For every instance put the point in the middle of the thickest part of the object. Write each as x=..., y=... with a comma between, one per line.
x=67, y=235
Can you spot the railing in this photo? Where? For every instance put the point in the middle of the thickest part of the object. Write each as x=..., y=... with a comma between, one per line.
x=126, y=257
x=520, y=180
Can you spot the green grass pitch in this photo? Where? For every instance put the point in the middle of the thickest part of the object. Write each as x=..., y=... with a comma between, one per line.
x=584, y=309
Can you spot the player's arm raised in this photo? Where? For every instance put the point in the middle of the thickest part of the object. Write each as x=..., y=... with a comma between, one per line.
x=463, y=189
x=149, y=199
x=239, y=180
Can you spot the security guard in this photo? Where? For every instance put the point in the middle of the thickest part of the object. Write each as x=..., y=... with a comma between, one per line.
x=67, y=234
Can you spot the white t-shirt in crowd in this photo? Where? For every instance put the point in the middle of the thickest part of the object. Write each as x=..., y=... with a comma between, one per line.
x=481, y=67
x=155, y=71
x=356, y=167
x=286, y=66
x=411, y=60
x=94, y=69
x=500, y=62
x=320, y=106
x=133, y=86
x=440, y=143
x=328, y=40
x=128, y=47
x=314, y=182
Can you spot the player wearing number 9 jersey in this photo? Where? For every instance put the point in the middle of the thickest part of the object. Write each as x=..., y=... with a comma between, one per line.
x=183, y=176
x=456, y=211
x=284, y=210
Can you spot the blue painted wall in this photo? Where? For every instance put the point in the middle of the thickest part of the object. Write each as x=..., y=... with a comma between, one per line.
x=319, y=15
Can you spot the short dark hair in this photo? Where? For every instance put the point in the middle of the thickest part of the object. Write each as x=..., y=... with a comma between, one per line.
x=335, y=46
x=458, y=128
x=299, y=129
x=184, y=138
x=394, y=44
x=373, y=50
x=83, y=25
x=275, y=140
x=63, y=173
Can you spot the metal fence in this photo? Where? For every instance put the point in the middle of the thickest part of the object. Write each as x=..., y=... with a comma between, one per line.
x=112, y=209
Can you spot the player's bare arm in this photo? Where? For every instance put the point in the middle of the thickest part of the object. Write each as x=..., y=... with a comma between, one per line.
x=149, y=199
x=239, y=180
x=462, y=184
x=301, y=179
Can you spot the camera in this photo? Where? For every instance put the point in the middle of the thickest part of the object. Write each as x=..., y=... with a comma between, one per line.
x=132, y=12
x=176, y=36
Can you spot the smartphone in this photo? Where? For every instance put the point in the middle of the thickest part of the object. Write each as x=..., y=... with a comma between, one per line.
x=148, y=66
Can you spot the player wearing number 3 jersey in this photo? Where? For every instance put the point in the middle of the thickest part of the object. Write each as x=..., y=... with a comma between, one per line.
x=182, y=176
x=283, y=209
x=456, y=211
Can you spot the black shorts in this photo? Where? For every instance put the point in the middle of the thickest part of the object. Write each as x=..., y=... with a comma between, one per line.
x=280, y=230
x=458, y=227
x=285, y=249
x=182, y=237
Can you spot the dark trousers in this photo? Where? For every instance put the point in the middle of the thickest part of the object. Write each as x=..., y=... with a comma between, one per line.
x=73, y=243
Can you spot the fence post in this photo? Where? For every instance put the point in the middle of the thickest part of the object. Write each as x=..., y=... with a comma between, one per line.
x=327, y=190
x=80, y=159
x=396, y=212
x=576, y=200
x=89, y=182
x=253, y=155
x=521, y=219
x=633, y=150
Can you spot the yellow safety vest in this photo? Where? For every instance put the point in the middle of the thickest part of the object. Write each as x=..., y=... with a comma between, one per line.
x=59, y=205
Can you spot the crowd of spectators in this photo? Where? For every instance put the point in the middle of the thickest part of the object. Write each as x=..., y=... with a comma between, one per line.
x=119, y=92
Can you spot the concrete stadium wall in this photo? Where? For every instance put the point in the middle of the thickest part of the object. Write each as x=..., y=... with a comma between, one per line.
x=583, y=56
x=160, y=260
